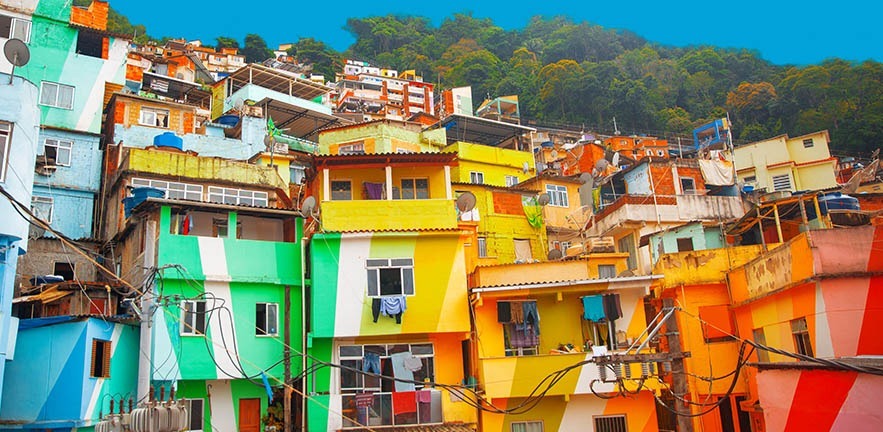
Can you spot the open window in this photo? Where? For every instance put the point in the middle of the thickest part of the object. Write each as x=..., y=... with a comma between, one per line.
x=100, y=367
x=390, y=277
x=193, y=317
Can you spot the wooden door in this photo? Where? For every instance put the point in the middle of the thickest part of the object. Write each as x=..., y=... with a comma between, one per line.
x=249, y=415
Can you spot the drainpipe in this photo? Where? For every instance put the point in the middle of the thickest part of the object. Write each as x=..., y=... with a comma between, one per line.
x=303, y=330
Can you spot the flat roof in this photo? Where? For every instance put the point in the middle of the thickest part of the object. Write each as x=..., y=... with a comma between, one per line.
x=480, y=130
x=299, y=121
x=276, y=80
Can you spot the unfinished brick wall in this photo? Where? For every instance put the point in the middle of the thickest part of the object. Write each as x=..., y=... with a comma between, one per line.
x=95, y=16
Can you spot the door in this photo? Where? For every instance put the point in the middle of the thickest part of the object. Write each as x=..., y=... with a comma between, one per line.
x=249, y=415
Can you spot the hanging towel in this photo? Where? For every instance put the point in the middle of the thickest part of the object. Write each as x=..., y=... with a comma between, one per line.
x=374, y=191
x=612, y=309
x=424, y=400
x=717, y=172
x=404, y=402
x=531, y=316
x=593, y=308
x=504, y=313
x=424, y=396
x=371, y=363
x=517, y=314
x=401, y=372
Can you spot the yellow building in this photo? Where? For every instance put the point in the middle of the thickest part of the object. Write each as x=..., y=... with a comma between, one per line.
x=564, y=215
x=483, y=164
x=381, y=136
x=513, y=361
x=790, y=164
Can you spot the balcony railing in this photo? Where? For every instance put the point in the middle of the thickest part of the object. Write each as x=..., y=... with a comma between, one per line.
x=666, y=208
x=381, y=411
x=380, y=215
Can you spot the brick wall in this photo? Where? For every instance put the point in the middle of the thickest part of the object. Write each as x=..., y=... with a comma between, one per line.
x=95, y=16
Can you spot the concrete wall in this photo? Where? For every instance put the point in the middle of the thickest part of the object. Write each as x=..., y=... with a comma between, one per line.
x=251, y=143
x=18, y=105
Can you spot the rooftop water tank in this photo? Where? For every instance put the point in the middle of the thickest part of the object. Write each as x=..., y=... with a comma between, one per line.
x=228, y=120
x=139, y=195
x=169, y=139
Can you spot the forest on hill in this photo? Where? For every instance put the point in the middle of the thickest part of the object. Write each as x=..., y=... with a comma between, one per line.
x=577, y=73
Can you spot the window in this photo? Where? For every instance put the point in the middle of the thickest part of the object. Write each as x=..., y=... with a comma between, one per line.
x=57, y=152
x=527, y=426
x=221, y=228
x=90, y=44
x=15, y=28
x=297, y=174
x=173, y=190
x=807, y=143
x=193, y=317
x=781, y=182
x=100, y=359
x=195, y=407
x=763, y=356
x=511, y=181
x=154, y=117
x=5, y=139
x=415, y=189
x=802, y=342
x=266, y=319
x=63, y=269
x=351, y=149
x=56, y=95
x=627, y=245
x=688, y=186
x=476, y=177
x=750, y=179
x=557, y=195
x=482, y=247
x=42, y=207
x=237, y=196
x=685, y=244
x=341, y=190
x=387, y=277
x=606, y=271
x=519, y=339
x=717, y=324
x=660, y=153
x=614, y=423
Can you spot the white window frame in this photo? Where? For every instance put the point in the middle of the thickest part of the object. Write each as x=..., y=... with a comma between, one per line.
x=612, y=416
x=235, y=196
x=153, y=114
x=189, y=325
x=173, y=190
x=482, y=247
x=61, y=146
x=5, y=144
x=511, y=180
x=267, y=320
x=37, y=200
x=58, y=87
x=351, y=149
x=778, y=179
x=15, y=26
x=688, y=191
x=557, y=195
x=406, y=272
x=514, y=426
x=606, y=269
x=476, y=177
x=191, y=410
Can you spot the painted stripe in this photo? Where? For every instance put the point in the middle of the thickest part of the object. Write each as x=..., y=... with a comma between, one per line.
x=813, y=408
x=861, y=410
x=221, y=406
x=823, y=345
x=222, y=329
x=165, y=353
x=352, y=282
x=112, y=71
x=213, y=259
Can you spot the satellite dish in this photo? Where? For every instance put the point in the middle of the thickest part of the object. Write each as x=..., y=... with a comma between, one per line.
x=615, y=161
x=554, y=154
x=16, y=53
x=544, y=199
x=308, y=207
x=466, y=202
x=269, y=141
x=555, y=254
x=601, y=165
x=525, y=167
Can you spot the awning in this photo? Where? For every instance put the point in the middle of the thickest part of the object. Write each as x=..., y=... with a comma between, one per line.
x=299, y=121
x=484, y=131
x=48, y=296
x=277, y=80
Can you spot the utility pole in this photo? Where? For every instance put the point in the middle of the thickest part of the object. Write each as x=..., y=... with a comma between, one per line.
x=678, y=371
x=146, y=352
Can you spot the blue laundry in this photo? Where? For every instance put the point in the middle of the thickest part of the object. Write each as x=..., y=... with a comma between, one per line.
x=393, y=305
x=593, y=308
x=531, y=315
x=371, y=363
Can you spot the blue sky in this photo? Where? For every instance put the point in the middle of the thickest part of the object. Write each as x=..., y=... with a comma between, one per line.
x=784, y=32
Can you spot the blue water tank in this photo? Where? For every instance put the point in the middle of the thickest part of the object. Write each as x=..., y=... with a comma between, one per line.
x=169, y=139
x=228, y=120
x=139, y=194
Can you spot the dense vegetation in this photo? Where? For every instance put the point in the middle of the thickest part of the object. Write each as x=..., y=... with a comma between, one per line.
x=583, y=74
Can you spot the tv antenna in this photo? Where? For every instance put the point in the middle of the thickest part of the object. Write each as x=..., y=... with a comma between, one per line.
x=17, y=53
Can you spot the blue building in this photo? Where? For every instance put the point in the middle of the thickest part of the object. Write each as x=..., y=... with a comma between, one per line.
x=19, y=125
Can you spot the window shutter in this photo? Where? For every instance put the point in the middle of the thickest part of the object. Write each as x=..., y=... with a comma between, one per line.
x=94, y=372
x=373, y=289
x=408, y=281
x=200, y=317
x=105, y=367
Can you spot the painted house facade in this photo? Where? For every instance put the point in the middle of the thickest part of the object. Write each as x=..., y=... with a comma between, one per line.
x=388, y=286
x=786, y=163
x=225, y=248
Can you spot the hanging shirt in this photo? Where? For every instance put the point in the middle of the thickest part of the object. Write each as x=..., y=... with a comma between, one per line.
x=593, y=308
x=393, y=305
x=401, y=372
x=612, y=308
x=531, y=315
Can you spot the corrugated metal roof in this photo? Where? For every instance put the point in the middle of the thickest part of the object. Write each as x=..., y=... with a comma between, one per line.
x=385, y=158
x=528, y=284
x=448, y=427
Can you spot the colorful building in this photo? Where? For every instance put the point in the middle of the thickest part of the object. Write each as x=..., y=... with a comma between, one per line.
x=19, y=125
x=638, y=147
x=380, y=136
x=565, y=215
x=789, y=164
x=558, y=332
x=223, y=252
x=816, y=296
x=388, y=286
x=364, y=92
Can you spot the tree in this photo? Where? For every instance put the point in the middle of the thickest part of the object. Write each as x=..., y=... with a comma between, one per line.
x=255, y=50
x=226, y=42
x=324, y=59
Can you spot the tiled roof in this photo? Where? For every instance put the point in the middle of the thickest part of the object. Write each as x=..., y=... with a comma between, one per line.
x=384, y=158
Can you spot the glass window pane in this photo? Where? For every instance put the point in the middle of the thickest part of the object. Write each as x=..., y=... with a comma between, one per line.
x=373, y=290
x=418, y=349
x=402, y=262
x=378, y=262
x=351, y=351
x=66, y=97
x=408, y=281
x=272, y=320
x=49, y=94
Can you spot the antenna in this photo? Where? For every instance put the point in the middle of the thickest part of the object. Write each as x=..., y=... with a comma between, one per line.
x=466, y=202
x=308, y=208
x=615, y=161
x=17, y=53
x=555, y=254
x=543, y=199
x=615, y=128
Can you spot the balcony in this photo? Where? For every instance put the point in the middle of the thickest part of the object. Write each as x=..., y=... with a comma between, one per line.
x=381, y=215
x=703, y=267
x=381, y=412
x=666, y=209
